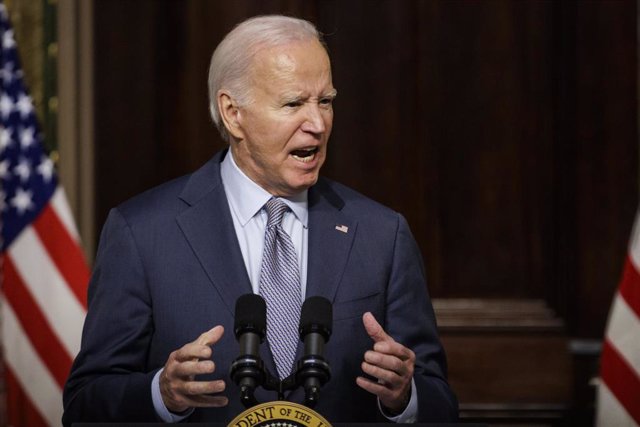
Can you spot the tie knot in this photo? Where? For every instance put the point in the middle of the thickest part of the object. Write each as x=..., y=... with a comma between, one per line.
x=275, y=211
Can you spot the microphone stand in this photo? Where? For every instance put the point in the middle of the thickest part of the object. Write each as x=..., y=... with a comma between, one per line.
x=312, y=372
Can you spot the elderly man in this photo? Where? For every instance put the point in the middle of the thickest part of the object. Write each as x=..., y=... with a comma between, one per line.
x=158, y=342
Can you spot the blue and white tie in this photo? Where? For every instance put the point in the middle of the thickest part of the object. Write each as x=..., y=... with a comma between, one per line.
x=280, y=287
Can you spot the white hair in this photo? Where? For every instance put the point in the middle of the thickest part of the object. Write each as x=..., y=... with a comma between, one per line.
x=232, y=59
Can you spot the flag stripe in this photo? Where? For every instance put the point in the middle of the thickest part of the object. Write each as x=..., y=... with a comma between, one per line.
x=32, y=375
x=20, y=409
x=624, y=332
x=609, y=411
x=630, y=286
x=35, y=325
x=634, y=244
x=52, y=294
x=61, y=207
x=64, y=251
x=621, y=379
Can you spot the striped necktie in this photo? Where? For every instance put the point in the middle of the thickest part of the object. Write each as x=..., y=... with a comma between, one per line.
x=280, y=287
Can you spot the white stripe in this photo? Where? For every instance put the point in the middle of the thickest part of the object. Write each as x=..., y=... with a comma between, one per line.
x=634, y=244
x=623, y=331
x=63, y=311
x=609, y=411
x=61, y=207
x=30, y=372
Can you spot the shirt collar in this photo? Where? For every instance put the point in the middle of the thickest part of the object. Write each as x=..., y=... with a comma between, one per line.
x=247, y=198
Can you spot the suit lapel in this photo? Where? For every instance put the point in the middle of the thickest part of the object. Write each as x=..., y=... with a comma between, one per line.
x=331, y=235
x=208, y=227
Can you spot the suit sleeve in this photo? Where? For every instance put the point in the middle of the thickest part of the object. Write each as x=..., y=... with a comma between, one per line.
x=109, y=380
x=411, y=321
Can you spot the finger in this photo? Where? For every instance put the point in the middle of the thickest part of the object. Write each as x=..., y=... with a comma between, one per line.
x=200, y=348
x=374, y=388
x=200, y=394
x=192, y=389
x=208, y=401
x=384, y=361
x=205, y=401
x=193, y=367
x=394, y=348
x=212, y=336
x=385, y=377
x=374, y=329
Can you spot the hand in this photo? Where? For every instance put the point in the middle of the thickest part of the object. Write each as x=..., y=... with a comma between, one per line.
x=178, y=388
x=391, y=363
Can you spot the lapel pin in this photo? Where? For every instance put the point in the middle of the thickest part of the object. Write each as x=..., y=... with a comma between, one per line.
x=342, y=228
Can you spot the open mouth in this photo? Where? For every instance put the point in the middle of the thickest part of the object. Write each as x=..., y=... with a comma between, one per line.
x=305, y=155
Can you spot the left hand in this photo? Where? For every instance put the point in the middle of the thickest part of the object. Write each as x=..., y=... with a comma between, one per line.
x=391, y=363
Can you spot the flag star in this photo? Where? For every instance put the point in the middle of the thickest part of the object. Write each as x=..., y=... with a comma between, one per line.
x=27, y=137
x=7, y=40
x=5, y=138
x=3, y=201
x=45, y=168
x=6, y=73
x=22, y=200
x=6, y=105
x=23, y=170
x=24, y=105
x=4, y=169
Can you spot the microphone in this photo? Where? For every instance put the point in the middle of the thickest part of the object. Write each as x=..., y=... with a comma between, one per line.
x=313, y=371
x=247, y=371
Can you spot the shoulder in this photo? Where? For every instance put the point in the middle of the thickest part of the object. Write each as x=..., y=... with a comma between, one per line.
x=351, y=201
x=154, y=203
x=358, y=207
x=167, y=200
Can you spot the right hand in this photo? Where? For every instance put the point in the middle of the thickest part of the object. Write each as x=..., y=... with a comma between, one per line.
x=178, y=387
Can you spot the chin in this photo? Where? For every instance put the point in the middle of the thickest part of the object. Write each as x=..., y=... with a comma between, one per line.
x=301, y=185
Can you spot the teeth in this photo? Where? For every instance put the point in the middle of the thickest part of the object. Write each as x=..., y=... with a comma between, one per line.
x=305, y=159
x=304, y=155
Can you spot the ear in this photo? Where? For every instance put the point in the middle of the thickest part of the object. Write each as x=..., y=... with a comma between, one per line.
x=229, y=113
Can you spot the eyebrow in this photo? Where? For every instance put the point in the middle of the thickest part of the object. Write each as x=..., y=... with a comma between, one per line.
x=333, y=93
x=295, y=96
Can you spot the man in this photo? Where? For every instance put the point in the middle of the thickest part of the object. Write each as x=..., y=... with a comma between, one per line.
x=158, y=341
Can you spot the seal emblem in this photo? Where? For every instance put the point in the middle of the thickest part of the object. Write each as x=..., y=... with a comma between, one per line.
x=279, y=414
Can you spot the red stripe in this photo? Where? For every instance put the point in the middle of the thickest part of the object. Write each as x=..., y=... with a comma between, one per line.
x=64, y=251
x=42, y=337
x=630, y=286
x=20, y=409
x=621, y=379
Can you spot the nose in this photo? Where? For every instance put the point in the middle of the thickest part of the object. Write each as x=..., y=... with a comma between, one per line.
x=314, y=120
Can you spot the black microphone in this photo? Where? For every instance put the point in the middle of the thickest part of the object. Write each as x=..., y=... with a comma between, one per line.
x=247, y=371
x=313, y=371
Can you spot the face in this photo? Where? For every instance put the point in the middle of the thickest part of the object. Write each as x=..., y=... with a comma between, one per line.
x=280, y=138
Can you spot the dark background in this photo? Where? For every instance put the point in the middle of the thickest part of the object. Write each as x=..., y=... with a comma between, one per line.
x=505, y=131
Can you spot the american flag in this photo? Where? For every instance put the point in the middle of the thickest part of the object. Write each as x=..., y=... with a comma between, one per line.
x=619, y=389
x=44, y=273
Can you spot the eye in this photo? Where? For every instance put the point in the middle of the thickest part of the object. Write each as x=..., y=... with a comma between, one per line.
x=293, y=104
x=325, y=101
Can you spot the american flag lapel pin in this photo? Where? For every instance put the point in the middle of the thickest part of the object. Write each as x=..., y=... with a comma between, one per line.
x=342, y=228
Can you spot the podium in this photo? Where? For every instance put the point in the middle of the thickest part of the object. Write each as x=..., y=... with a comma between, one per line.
x=333, y=424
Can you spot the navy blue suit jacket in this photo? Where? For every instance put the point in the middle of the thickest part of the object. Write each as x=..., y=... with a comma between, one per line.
x=169, y=268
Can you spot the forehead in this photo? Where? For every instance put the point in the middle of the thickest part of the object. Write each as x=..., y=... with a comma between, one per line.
x=295, y=63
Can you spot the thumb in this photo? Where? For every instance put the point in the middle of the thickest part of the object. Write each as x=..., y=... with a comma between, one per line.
x=374, y=329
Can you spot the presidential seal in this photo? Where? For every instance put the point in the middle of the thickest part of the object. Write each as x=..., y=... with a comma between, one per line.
x=279, y=414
